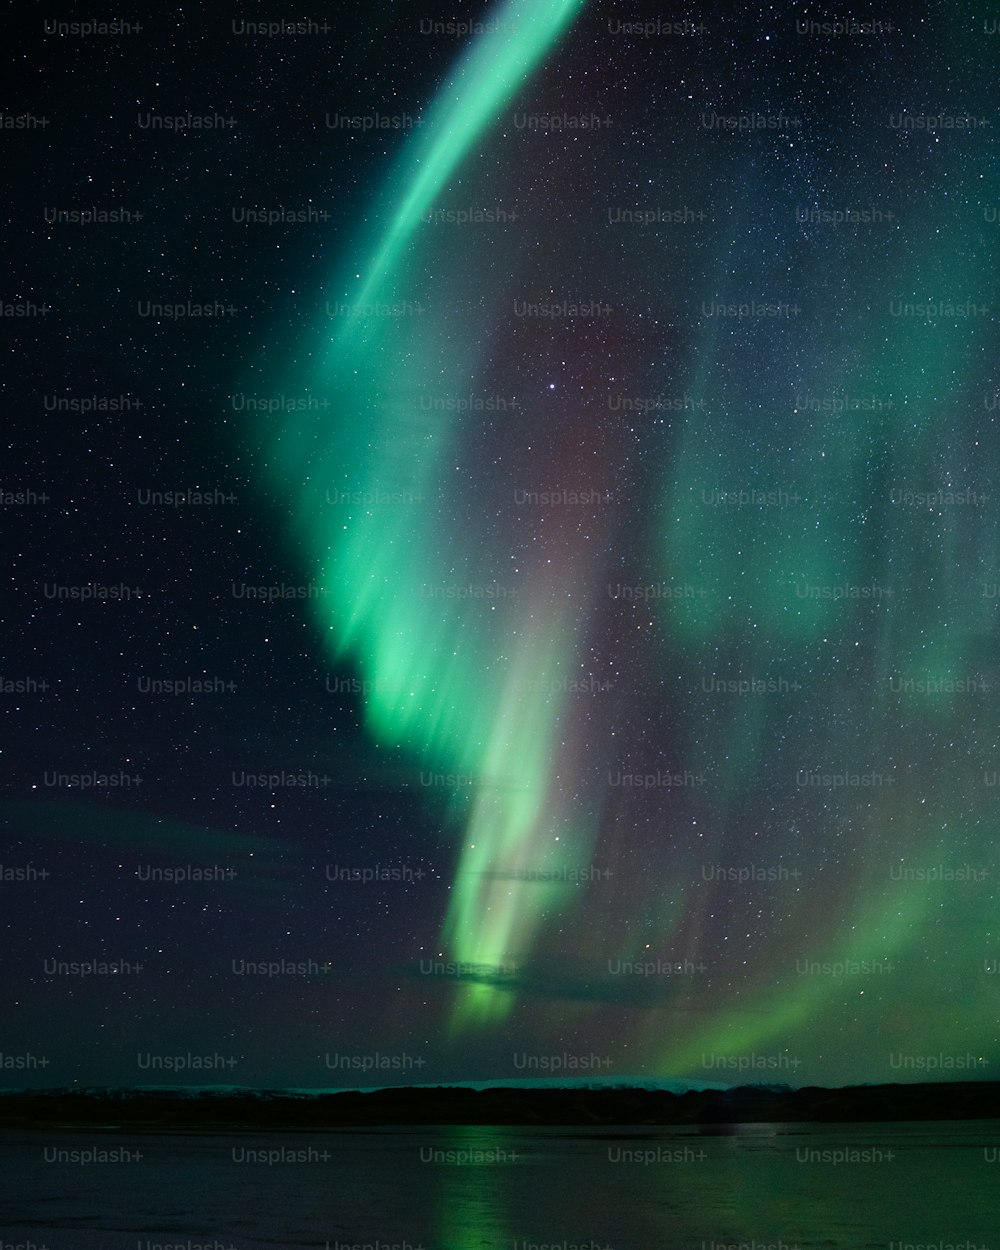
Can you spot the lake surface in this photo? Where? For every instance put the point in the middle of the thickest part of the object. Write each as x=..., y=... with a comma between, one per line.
x=769, y=1187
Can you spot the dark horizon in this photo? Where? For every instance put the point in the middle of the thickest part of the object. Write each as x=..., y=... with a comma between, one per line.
x=225, y=1109
x=655, y=1084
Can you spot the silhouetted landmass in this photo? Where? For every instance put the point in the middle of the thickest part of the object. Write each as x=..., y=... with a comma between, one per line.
x=228, y=1109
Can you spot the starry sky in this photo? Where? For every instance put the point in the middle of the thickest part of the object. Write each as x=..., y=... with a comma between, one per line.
x=500, y=546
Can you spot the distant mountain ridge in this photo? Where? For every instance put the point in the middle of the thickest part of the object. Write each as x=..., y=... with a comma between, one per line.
x=666, y=1085
x=253, y=1092
x=547, y=1103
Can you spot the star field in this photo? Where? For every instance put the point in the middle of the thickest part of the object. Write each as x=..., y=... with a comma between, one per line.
x=508, y=525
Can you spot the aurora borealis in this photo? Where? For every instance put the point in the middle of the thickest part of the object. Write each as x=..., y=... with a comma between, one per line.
x=612, y=538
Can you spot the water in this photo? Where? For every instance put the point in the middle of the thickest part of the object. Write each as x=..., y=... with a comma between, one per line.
x=516, y=1188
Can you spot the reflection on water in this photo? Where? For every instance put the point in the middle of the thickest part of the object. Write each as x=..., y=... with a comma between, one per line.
x=467, y=1188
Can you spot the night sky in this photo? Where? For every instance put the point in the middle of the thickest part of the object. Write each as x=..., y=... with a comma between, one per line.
x=500, y=544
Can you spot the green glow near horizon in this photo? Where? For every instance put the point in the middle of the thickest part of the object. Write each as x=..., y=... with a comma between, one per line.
x=751, y=571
